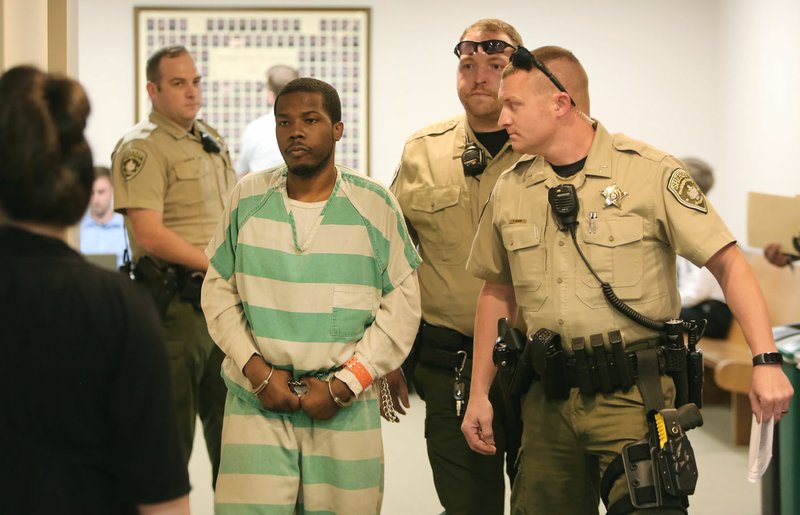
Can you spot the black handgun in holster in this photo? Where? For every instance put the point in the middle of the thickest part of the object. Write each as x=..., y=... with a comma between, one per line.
x=190, y=283
x=513, y=369
x=509, y=358
x=661, y=470
x=161, y=284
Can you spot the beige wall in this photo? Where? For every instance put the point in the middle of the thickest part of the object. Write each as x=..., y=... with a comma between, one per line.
x=41, y=33
x=24, y=32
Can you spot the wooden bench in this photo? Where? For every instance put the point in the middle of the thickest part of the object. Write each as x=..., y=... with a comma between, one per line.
x=728, y=361
x=728, y=364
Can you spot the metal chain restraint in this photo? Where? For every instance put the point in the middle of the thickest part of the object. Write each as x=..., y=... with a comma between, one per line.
x=386, y=402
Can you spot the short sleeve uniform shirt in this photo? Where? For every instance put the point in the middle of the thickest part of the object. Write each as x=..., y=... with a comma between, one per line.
x=161, y=166
x=443, y=207
x=638, y=208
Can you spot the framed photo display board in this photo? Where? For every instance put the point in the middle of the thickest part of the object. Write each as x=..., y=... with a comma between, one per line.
x=233, y=48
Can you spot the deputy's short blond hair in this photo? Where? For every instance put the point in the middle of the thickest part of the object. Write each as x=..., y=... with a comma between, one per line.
x=496, y=26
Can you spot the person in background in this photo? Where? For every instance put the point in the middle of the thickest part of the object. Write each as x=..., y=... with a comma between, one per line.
x=88, y=425
x=172, y=175
x=701, y=295
x=103, y=230
x=312, y=293
x=442, y=192
x=773, y=254
x=259, y=149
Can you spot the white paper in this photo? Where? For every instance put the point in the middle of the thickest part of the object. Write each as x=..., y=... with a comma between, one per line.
x=760, y=448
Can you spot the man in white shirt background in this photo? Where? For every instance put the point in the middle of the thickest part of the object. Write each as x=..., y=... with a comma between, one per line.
x=259, y=149
x=701, y=295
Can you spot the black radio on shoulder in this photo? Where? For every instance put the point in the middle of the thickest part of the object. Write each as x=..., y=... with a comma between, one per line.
x=473, y=159
x=210, y=145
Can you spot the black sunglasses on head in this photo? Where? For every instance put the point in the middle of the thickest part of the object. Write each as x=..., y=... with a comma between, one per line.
x=491, y=46
x=522, y=58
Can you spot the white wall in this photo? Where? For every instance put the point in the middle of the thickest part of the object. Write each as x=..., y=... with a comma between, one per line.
x=758, y=104
x=712, y=78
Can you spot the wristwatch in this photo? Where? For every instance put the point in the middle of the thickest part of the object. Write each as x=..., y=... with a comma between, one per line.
x=768, y=358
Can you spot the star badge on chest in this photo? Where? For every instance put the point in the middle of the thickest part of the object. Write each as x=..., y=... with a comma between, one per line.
x=613, y=195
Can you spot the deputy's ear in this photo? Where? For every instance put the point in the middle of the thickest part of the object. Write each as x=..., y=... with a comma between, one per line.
x=152, y=88
x=563, y=103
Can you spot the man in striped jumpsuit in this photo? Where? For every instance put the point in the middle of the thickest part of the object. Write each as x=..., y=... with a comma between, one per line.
x=312, y=293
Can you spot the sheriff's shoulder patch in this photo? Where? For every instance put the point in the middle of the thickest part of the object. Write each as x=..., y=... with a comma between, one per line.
x=686, y=191
x=132, y=163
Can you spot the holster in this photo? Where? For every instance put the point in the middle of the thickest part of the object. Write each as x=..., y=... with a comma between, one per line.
x=514, y=376
x=161, y=284
x=510, y=356
x=190, y=283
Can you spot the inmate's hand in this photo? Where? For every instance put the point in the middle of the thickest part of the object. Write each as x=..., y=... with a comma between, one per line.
x=318, y=402
x=477, y=425
x=277, y=396
x=398, y=390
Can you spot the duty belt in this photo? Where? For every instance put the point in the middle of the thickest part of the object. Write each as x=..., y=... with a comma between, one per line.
x=440, y=346
x=594, y=368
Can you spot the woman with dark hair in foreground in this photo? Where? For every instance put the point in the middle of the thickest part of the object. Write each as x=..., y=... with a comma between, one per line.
x=87, y=424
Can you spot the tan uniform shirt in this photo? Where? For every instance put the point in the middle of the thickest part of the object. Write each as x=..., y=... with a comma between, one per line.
x=443, y=207
x=657, y=212
x=159, y=165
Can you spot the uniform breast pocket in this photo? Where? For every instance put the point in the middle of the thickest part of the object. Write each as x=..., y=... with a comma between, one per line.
x=438, y=215
x=614, y=249
x=354, y=309
x=527, y=259
x=191, y=182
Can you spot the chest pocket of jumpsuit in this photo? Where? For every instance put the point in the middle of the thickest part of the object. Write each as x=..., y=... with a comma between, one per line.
x=439, y=220
x=614, y=250
x=527, y=258
x=193, y=182
x=354, y=308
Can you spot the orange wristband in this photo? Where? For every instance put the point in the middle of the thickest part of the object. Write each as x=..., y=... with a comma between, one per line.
x=360, y=371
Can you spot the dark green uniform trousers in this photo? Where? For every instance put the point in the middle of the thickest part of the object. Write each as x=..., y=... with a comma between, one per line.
x=198, y=389
x=467, y=483
x=567, y=445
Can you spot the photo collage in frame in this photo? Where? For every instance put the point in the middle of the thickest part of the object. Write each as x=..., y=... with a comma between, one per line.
x=233, y=48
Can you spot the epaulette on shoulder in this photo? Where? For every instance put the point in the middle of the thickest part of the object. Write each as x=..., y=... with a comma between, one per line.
x=141, y=130
x=436, y=129
x=521, y=166
x=624, y=143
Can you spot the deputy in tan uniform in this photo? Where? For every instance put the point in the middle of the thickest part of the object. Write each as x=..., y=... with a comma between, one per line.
x=172, y=174
x=637, y=208
x=445, y=176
